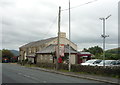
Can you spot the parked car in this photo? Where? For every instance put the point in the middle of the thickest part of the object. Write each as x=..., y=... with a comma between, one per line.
x=117, y=63
x=92, y=62
x=109, y=63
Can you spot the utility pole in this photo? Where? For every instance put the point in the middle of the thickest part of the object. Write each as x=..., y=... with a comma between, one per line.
x=58, y=53
x=104, y=36
x=69, y=37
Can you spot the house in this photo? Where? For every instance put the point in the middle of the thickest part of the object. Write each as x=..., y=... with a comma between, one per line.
x=33, y=50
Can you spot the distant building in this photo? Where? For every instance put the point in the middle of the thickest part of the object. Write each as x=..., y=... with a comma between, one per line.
x=42, y=50
x=83, y=56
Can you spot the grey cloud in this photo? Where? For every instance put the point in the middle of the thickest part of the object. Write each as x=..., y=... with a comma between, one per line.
x=7, y=3
x=34, y=22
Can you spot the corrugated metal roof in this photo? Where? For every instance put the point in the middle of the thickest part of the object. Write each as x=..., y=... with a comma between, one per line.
x=51, y=48
x=84, y=52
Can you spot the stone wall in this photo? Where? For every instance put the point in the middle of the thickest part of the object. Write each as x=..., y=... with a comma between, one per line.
x=44, y=58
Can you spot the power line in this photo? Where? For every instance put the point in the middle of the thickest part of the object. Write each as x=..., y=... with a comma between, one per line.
x=50, y=27
x=66, y=10
x=112, y=7
x=80, y=5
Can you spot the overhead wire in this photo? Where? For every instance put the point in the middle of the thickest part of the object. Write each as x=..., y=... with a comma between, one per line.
x=65, y=10
x=51, y=26
x=112, y=7
x=80, y=5
x=54, y=21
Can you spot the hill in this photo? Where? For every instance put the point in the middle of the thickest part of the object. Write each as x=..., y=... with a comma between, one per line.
x=15, y=52
x=113, y=53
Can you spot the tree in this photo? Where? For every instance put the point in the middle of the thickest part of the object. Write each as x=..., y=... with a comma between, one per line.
x=113, y=54
x=0, y=55
x=7, y=54
x=85, y=50
x=96, y=50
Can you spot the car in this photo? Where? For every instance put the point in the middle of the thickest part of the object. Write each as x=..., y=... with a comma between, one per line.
x=117, y=63
x=92, y=62
x=109, y=63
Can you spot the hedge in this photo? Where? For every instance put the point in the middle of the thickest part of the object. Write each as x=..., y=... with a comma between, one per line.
x=111, y=71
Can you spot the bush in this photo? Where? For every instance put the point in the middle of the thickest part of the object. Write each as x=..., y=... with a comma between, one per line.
x=46, y=65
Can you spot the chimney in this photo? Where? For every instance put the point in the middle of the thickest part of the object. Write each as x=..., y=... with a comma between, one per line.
x=62, y=34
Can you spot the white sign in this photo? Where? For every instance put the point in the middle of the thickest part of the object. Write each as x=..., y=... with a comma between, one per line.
x=62, y=50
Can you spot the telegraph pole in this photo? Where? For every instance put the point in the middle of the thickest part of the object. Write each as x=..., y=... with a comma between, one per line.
x=104, y=36
x=69, y=37
x=58, y=53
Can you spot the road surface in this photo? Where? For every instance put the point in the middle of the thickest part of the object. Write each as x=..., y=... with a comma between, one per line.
x=12, y=73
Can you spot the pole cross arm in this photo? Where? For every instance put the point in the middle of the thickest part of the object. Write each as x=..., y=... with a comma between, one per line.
x=108, y=16
x=104, y=36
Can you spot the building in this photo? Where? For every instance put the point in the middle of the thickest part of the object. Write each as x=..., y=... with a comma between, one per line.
x=34, y=51
x=83, y=56
x=48, y=54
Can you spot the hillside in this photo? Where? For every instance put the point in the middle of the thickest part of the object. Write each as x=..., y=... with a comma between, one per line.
x=113, y=53
x=15, y=52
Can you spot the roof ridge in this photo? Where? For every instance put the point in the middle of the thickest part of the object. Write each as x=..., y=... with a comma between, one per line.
x=36, y=42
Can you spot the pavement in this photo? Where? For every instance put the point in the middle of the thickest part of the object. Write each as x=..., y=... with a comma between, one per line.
x=105, y=79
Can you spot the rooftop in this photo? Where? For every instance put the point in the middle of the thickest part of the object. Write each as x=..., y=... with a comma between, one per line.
x=51, y=48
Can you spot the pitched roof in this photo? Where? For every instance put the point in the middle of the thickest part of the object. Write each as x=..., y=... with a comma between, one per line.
x=51, y=48
x=72, y=50
x=37, y=43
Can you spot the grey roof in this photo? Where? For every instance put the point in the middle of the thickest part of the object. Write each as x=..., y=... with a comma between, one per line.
x=37, y=43
x=51, y=48
x=31, y=55
x=84, y=52
x=71, y=49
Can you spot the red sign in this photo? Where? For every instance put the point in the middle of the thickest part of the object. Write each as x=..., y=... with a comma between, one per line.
x=59, y=60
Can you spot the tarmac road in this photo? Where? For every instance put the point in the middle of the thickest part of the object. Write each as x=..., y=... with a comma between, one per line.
x=12, y=73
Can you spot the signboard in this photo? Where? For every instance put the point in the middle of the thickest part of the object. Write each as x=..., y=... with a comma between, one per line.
x=61, y=50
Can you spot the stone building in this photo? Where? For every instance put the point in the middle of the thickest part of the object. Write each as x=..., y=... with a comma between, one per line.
x=46, y=55
x=33, y=50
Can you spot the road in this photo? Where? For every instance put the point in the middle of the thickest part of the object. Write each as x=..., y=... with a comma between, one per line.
x=12, y=73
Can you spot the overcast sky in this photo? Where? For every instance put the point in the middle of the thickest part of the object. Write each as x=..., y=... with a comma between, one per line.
x=24, y=21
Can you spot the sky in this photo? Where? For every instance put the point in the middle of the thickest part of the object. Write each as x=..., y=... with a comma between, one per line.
x=25, y=21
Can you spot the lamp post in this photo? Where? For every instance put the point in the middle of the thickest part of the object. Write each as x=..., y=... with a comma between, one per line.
x=104, y=36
